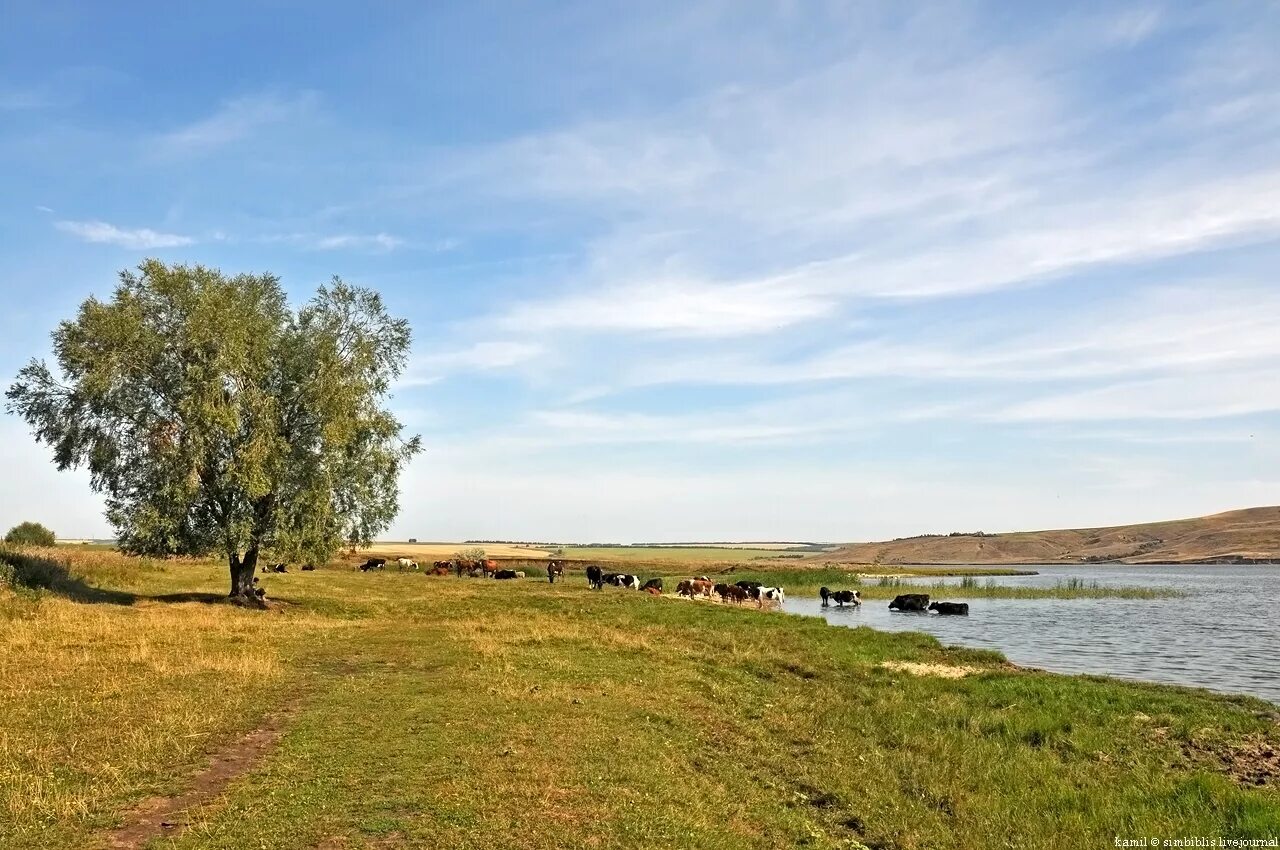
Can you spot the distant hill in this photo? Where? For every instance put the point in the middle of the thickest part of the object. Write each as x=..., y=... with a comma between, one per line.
x=1248, y=535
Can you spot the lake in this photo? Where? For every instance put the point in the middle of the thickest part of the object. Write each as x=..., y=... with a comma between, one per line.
x=1224, y=635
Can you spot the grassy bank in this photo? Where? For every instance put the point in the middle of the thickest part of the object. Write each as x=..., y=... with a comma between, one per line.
x=431, y=711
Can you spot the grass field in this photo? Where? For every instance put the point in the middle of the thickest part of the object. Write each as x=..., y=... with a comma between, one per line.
x=669, y=555
x=419, y=711
x=441, y=551
x=673, y=555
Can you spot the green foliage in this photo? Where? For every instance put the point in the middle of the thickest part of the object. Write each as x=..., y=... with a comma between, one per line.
x=214, y=418
x=29, y=534
x=475, y=553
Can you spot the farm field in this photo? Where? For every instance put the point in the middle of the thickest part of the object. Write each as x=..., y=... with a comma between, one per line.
x=676, y=554
x=440, y=551
x=718, y=554
x=404, y=710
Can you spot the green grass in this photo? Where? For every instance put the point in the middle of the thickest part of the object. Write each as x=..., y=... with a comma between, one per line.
x=434, y=712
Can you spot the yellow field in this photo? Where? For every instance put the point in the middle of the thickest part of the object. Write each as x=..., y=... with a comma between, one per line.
x=440, y=551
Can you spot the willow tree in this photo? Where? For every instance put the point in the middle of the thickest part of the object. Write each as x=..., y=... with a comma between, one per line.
x=216, y=419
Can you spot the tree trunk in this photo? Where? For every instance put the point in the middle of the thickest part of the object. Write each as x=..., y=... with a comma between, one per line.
x=242, y=576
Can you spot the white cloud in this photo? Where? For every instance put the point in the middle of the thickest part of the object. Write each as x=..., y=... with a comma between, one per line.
x=672, y=306
x=1210, y=326
x=381, y=241
x=1191, y=396
x=1132, y=26
x=235, y=120
x=482, y=491
x=485, y=356
x=142, y=238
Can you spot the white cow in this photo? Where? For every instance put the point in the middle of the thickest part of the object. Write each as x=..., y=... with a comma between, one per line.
x=406, y=564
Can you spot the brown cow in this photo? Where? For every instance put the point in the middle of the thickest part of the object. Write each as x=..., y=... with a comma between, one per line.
x=702, y=588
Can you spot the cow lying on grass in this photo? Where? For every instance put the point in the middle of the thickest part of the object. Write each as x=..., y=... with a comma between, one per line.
x=623, y=580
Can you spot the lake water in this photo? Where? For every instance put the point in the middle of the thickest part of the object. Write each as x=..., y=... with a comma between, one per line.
x=1224, y=635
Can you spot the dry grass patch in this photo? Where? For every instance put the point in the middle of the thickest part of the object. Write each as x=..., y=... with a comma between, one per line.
x=103, y=702
x=916, y=668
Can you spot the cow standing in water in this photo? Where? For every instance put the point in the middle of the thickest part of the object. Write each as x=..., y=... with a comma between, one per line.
x=555, y=570
x=910, y=602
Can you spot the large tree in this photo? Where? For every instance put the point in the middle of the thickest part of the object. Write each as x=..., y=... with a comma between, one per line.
x=215, y=418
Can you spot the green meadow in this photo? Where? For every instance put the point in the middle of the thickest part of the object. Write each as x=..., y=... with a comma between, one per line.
x=421, y=711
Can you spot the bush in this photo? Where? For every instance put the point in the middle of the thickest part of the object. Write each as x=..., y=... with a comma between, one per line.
x=475, y=553
x=19, y=569
x=29, y=534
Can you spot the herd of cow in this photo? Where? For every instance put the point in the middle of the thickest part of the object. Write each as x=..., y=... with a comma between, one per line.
x=902, y=602
x=698, y=587
x=702, y=587
x=479, y=568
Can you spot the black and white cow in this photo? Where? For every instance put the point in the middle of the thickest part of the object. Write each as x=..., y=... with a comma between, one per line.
x=847, y=597
x=771, y=594
x=595, y=577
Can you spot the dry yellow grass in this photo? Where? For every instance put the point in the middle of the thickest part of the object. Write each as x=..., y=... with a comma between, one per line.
x=917, y=668
x=100, y=700
x=440, y=551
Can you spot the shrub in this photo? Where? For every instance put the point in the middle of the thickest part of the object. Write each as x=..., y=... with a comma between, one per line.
x=29, y=534
x=19, y=569
x=475, y=553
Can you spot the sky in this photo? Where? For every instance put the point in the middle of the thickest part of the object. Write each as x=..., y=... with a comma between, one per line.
x=812, y=271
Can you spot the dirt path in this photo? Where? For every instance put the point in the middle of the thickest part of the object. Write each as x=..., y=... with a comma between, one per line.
x=167, y=815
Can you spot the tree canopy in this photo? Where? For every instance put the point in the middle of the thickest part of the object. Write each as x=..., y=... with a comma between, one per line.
x=30, y=534
x=215, y=418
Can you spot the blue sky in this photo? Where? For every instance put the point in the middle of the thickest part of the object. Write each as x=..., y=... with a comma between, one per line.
x=701, y=270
